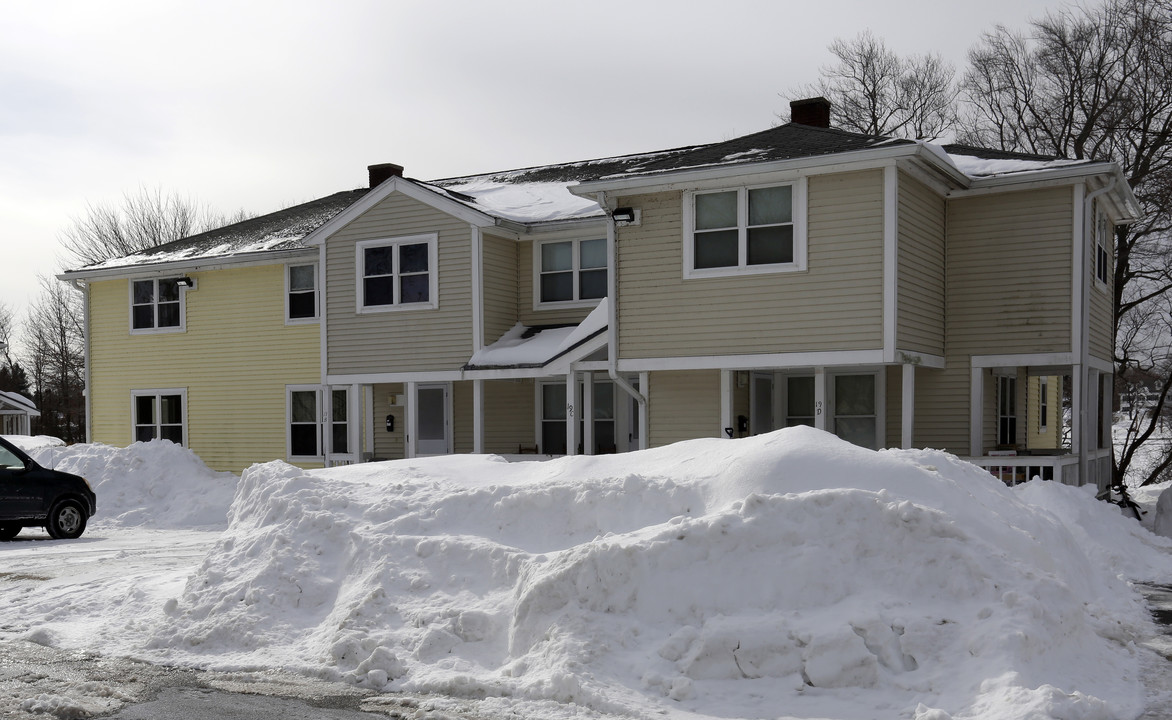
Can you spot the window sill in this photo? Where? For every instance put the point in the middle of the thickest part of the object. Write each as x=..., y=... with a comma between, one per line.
x=567, y=304
x=723, y=272
x=303, y=321
x=407, y=307
x=158, y=331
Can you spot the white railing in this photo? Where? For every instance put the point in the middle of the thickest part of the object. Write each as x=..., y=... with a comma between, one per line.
x=1016, y=469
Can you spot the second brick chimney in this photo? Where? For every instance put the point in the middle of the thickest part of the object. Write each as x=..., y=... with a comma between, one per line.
x=382, y=172
x=814, y=112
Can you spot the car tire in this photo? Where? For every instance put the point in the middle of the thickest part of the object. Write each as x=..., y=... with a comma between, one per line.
x=8, y=532
x=66, y=520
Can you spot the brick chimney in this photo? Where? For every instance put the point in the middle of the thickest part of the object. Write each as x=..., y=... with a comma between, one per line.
x=814, y=112
x=382, y=172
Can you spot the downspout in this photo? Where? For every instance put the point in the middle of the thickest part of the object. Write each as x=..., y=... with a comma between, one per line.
x=612, y=326
x=1084, y=349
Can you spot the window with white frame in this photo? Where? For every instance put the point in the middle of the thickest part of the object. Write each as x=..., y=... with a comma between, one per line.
x=856, y=417
x=1104, y=234
x=745, y=230
x=1006, y=410
x=397, y=274
x=160, y=415
x=304, y=421
x=799, y=400
x=570, y=271
x=156, y=305
x=553, y=418
x=1043, y=404
x=301, y=292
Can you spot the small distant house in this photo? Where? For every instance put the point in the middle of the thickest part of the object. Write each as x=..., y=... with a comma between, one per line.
x=896, y=293
x=16, y=414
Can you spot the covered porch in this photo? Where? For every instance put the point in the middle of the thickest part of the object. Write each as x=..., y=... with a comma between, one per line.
x=16, y=414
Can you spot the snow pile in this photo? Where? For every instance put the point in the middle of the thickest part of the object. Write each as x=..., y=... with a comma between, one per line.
x=154, y=484
x=791, y=572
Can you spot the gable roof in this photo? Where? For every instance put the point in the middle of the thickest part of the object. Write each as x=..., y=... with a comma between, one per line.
x=15, y=403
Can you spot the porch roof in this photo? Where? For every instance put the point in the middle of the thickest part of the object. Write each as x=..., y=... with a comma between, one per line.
x=16, y=404
x=539, y=346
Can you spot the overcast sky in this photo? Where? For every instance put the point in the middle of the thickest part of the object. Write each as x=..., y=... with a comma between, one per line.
x=263, y=104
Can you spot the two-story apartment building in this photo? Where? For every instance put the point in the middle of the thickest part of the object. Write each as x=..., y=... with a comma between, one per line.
x=896, y=293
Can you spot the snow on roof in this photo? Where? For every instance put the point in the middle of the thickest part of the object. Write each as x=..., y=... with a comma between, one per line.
x=522, y=202
x=977, y=162
x=10, y=401
x=533, y=347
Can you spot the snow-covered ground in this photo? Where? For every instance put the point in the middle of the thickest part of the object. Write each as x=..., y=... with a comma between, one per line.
x=786, y=575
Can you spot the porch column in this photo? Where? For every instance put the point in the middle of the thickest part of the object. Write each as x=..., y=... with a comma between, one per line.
x=645, y=411
x=976, y=412
x=820, y=398
x=588, y=413
x=1077, y=415
x=909, y=406
x=412, y=420
x=478, y=417
x=368, y=420
x=572, y=411
x=727, y=431
x=354, y=416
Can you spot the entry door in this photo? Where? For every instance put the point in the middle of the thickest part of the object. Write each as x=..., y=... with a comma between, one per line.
x=433, y=432
x=761, y=404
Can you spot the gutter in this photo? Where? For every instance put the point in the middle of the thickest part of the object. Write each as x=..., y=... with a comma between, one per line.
x=612, y=321
x=265, y=257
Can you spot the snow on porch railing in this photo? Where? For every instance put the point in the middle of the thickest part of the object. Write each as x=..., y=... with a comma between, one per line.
x=1013, y=470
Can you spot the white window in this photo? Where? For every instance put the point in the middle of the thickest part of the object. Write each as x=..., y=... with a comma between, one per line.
x=856, y=416
x=397, y=274
x=156, y=305
x=1104, y=234
x=554, y=409
x=570, y=271
x=301, y=302
x=160, y=415
x=799, y=400
x=1006, y=410
x=745, y=230
x=312, y=432
x=1043, y=404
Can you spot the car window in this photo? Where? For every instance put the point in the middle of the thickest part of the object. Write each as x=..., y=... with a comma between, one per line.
x=9, y=461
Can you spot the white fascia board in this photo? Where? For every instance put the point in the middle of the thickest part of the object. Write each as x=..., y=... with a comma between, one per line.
x=567, y=227
x=691, y=178
x=411, y=190
x=268, y=257
x=834, y=358
x=910, y=357
x=567, y=361
x=1122, y=197
x=394, y=377
x=1022, y=360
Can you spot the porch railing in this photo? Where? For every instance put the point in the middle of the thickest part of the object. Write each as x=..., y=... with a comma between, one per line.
x=1016, y=469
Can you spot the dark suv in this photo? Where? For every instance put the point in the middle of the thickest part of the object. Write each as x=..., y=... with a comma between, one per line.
x=33, y=496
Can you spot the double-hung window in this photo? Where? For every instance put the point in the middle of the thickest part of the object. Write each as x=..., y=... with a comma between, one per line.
x=745, y=230
x=397, y=274
x=160, y=415
x=156, y=305
x=1103, y=235
x=301, y=293
x=318, y=421
x=571, y=271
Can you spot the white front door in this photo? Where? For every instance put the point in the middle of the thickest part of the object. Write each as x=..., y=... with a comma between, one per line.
x=433, y=434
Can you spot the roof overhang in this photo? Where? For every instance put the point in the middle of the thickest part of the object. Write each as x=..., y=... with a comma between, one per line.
x=218, y=262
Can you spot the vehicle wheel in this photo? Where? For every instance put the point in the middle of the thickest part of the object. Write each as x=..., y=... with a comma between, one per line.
x=7, y=532
x=66, y=520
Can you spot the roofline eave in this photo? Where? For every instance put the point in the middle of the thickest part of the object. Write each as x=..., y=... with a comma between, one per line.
x=212, y=262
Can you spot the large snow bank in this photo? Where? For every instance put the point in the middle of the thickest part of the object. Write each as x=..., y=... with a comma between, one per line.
x=155, y=484
x=789, y=574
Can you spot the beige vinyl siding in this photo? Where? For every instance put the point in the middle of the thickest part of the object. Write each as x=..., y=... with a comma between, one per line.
x=389, y=445
x=509, y=415
x=235, y=359
x=920, y=320
x=528, y=315
x=500, y=286
x=684, y=405
x=417, y=340
x=1102, y=299
x=836, y=305
x=462, y=417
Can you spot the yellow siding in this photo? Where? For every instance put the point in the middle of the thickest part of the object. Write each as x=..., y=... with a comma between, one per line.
x=500, y=286
x=836, y=305
x=684, y=405
x=235, y=359
x=1048, y=437
x=405, y=340
x=920, y=322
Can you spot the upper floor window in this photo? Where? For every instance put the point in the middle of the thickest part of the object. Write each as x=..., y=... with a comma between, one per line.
x=1103, y=235
x=745, y=230
x=397, y=274
x=156, y=304
x=571, y=271
x=301, y=294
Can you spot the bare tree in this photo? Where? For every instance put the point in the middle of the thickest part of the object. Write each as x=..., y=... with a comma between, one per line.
x=54, y=347
x=876, y=92
x=144, y=220
x=1096, y=83
x=7, y=330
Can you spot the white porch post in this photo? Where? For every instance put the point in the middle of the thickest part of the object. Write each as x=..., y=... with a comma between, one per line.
x=368, y=420
x=588, y=413
x=645, y=415
x=909, y=406
x=354, y=417
x=820, y=399
x=572, y=411
x=478, y=417
x=412, y=419
x=976, y=412
x=727, y=431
